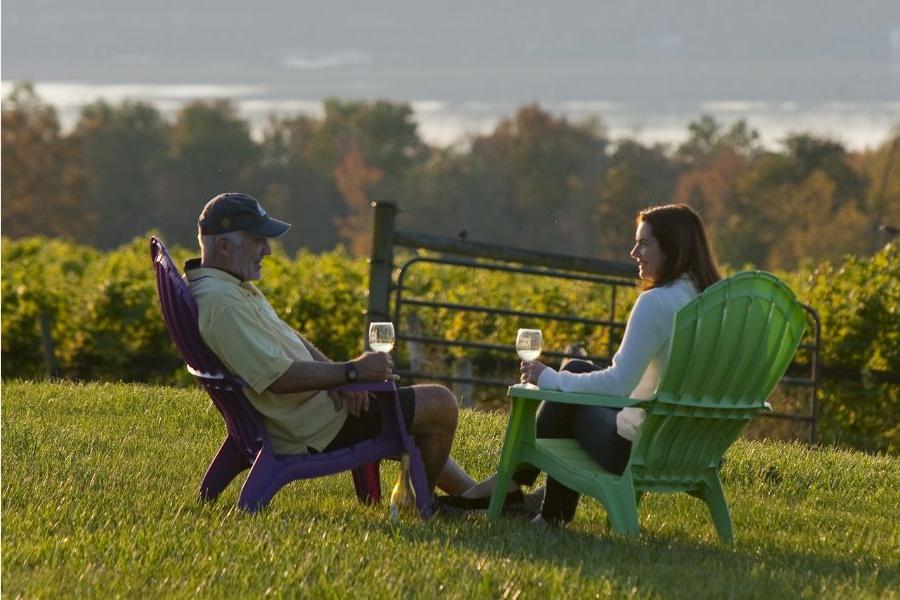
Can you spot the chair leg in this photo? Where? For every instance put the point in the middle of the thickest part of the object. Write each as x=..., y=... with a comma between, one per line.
x=424, y=494
x=225, y=466
x=638, y=496
x=508, y=456
x=620, y=501
x=261, y=484
x=367, y=482
x=501, y=482
x=714, y=496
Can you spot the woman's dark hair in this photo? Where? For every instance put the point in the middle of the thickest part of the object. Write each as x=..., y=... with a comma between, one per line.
x=682, y=237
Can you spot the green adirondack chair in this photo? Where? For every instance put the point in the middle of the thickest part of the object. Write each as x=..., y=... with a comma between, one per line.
x=731, y=345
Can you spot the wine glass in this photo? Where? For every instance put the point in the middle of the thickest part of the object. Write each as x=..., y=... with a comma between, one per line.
x=381, y=336
x=529, y=343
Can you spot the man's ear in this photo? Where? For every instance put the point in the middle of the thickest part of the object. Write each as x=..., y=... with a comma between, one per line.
x=223, y=246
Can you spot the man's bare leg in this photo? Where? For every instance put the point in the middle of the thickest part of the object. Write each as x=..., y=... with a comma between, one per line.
x=434, y=425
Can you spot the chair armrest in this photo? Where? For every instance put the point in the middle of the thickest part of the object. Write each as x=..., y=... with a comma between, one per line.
x=536, y=393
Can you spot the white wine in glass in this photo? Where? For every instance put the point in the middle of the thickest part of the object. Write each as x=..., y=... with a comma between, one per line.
x=529, y=343
x=381, y=336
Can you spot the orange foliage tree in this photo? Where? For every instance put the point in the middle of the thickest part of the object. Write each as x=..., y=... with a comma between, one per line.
x=44, y=191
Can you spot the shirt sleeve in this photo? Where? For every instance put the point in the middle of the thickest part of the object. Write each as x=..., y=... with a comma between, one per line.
x=649, y=327
x=253, y=353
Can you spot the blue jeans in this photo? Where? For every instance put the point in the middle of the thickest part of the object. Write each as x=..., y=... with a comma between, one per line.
x=595, y=429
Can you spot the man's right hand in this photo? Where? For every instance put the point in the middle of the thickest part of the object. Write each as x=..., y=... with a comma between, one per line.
x=374, y=366
x=305, y=375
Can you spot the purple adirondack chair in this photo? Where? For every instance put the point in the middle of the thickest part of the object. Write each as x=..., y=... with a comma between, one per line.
x=247, y=443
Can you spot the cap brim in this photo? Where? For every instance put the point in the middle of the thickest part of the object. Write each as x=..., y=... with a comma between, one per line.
x=270, y=228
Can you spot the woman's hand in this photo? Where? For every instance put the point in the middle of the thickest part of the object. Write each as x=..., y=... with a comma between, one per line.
x=531, y=371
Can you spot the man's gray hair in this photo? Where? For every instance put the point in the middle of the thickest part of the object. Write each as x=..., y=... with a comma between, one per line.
x=208, y=242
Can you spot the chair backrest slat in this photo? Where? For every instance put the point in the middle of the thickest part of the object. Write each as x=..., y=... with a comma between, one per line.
x=179, y=310
x=730, y=347
x=752, y=381
x=728, y=353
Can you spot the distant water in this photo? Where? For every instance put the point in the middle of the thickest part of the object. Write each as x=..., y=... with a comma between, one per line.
x=856, y=124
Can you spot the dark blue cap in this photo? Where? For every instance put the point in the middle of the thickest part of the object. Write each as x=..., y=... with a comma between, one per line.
x=239, y=212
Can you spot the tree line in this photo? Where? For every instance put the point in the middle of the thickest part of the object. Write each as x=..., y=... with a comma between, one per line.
x=537, y=180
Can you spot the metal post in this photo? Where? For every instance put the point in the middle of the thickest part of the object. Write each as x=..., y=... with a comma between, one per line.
x=815, y=374
x=465, y=391
x=381, y=264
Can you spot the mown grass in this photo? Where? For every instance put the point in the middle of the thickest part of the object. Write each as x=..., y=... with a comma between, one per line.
x=99, y=500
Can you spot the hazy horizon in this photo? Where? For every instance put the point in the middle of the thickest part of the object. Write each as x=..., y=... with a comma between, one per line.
x=645, y=70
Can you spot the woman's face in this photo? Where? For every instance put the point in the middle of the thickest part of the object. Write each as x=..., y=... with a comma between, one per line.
x=647, y=253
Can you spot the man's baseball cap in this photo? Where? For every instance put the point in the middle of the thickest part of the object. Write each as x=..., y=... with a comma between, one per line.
x=239, y=212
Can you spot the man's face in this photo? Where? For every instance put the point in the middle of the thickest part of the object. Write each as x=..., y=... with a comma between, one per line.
x=247, y=255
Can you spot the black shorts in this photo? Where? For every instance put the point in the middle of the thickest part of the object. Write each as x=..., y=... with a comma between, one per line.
x=368, y=424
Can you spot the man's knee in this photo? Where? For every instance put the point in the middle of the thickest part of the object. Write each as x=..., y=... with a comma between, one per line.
x=445, y=402
x=436, y=405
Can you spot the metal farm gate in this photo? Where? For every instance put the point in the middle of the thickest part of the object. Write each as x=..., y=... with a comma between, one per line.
x=392, y=299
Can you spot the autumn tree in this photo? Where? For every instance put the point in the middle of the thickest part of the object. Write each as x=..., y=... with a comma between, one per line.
x=43, y=188
x=881, y=169
x=210, y=151
x=121, y=150
x=708, y=139
x=536, y=181
x=297, y=186
x=462, y=193
x=369, y=148
x=805, y=203
x=639, y=176
x=529, y=183
x=715, y=160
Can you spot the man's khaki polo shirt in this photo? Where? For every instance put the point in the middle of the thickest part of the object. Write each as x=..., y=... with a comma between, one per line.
x=241, y=328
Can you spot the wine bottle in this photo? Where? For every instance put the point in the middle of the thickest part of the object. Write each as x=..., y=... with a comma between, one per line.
x=403, y=497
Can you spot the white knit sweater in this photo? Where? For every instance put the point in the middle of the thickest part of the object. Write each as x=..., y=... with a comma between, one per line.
x=641, y=359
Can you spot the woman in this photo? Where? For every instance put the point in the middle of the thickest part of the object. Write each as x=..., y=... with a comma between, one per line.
x=675, y=264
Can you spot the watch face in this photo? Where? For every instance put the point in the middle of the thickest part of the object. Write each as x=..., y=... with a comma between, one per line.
x=350, y=371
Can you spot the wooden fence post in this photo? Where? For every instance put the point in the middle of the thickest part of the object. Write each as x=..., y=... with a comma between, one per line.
x=381, y=264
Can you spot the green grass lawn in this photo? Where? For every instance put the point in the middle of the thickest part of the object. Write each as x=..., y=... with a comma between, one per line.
x=99, y=499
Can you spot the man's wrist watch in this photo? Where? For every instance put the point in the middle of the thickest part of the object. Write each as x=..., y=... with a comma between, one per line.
x=350, y=372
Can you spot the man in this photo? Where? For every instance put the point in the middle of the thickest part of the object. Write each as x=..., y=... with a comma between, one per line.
x=291, y=383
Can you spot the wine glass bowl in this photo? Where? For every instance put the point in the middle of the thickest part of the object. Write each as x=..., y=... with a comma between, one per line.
x=381, y=336
x=529, y=343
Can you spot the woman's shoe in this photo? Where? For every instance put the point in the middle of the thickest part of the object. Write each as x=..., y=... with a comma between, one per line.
x=514, y=498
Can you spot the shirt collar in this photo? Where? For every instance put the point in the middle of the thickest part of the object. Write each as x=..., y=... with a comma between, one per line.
x=193, y=270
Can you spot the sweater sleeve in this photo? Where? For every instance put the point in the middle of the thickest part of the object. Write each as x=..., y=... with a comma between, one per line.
x=649, y=327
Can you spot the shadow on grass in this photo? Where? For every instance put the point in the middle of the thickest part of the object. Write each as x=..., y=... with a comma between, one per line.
x=663, y=565
x=707, y=568
x=702, y=566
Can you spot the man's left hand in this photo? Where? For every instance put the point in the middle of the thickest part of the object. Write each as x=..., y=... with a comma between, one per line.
x=357, y=402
